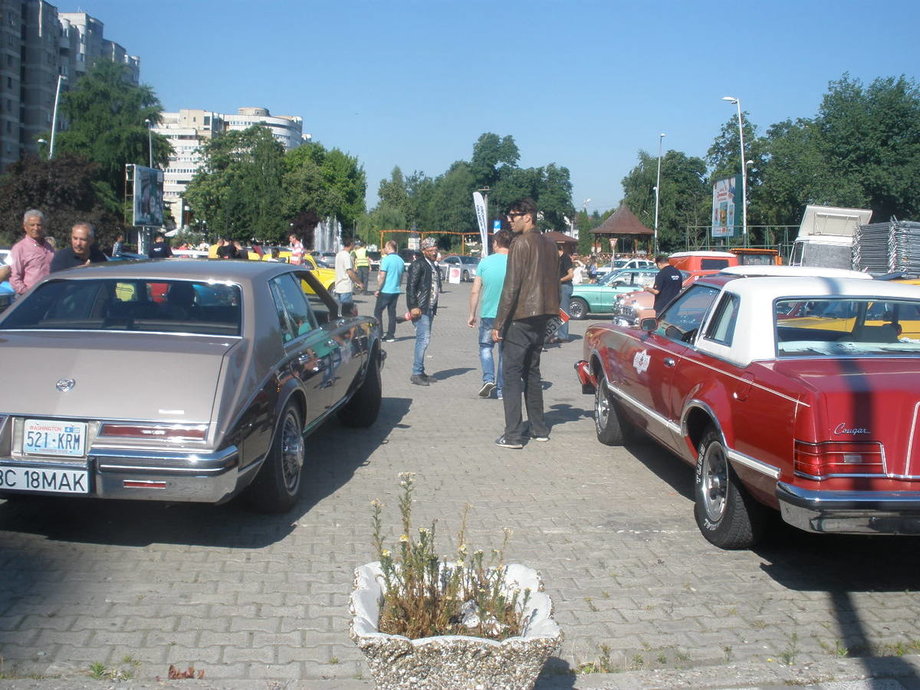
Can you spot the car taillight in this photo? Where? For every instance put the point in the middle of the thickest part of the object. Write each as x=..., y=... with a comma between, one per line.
x=158, y=432
x=820, y=460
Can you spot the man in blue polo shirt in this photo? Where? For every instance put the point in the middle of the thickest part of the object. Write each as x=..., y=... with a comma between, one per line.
x=389, y=276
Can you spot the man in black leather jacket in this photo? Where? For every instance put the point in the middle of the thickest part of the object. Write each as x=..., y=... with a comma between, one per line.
x=530, y=298
x=423, y=286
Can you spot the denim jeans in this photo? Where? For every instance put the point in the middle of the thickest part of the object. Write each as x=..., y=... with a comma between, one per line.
x=565, y=295
x=523, y=343
x=344, y=297
x=422, y=338
x=491, y=372
x=387, y=300
x=363, y=273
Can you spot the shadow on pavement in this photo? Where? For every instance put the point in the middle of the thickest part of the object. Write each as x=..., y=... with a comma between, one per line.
x=556, y=675
x=450, y=373
x=666, y=465
x=334, y=452
x=562, y=413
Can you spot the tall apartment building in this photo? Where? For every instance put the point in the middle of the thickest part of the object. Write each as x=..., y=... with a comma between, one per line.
x=40, y=48
x=189, y=128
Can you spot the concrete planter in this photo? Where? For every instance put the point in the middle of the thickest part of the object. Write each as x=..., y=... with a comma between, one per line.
x=453, y=661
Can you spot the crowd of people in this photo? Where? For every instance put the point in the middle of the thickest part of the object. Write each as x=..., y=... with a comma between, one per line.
x=514, y=301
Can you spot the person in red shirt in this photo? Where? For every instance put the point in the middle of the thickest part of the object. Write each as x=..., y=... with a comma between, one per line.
x=31, y=256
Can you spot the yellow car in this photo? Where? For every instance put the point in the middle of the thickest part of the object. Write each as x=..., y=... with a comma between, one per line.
x=326, y=275
x=890, y=320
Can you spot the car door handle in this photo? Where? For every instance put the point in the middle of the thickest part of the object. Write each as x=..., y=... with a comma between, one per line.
x=668, y=362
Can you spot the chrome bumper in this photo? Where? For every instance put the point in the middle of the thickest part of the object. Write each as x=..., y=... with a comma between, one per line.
x=154, y=476
x=850, y=512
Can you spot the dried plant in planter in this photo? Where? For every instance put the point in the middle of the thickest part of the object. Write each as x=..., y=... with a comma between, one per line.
x=425, y=595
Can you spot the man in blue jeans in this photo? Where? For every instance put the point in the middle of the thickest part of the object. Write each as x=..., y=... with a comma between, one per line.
x=530, y=298
x=487, y=289
x=389, y=277
x=423, y=286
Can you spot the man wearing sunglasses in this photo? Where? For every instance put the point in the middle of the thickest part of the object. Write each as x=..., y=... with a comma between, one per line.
x=530, y=298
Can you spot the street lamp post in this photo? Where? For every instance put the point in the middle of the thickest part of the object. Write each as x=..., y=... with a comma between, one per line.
x=744, y=199
x=57, y=96
x=658, y=190
x=149, y=143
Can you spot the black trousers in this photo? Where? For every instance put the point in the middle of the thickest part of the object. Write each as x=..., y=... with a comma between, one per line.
x=522, y=346
x=387, y=300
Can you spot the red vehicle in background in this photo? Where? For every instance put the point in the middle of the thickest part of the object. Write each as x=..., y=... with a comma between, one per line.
x=703, y=263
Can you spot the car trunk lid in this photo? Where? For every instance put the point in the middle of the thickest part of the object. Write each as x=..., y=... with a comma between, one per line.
x=857, y=400
x=155, y=377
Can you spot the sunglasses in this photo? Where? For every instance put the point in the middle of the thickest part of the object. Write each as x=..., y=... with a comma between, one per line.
x=516, y=215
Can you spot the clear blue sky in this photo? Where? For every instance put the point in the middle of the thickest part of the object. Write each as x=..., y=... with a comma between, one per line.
x=584, y=84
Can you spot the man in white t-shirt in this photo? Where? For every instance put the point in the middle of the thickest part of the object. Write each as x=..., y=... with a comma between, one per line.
x=346, y=280
x=297, y=250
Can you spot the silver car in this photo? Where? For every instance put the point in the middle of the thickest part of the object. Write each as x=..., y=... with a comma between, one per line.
x=464, y=264
x=178, y=380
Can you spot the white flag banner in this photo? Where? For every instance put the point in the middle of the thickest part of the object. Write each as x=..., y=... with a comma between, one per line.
x=480, y=203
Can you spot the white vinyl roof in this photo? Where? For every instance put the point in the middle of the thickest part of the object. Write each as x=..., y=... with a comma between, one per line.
x=754, y=333
x=795, y=271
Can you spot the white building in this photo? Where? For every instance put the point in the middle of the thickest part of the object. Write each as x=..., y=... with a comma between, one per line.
x=41, y=48
x=188, y=129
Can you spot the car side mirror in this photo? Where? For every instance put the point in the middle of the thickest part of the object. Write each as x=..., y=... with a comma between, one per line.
x=648, y=324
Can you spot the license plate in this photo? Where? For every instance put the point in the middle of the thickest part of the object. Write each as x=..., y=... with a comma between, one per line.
x=44, y=479
x=47, y=437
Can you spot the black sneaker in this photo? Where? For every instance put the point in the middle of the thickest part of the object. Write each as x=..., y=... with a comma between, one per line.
x=419, y=379
x=389, y=339
x=540, y=438
x=486, y=389
x=502, y=442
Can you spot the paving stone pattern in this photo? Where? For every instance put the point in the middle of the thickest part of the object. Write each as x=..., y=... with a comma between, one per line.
x=256, y=601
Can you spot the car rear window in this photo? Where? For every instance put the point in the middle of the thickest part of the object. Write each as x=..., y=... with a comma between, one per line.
x=146, y=305
x=713, y=264
x=834, y=327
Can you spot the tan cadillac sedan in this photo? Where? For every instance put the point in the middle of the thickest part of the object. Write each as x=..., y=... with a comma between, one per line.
x=178, y=380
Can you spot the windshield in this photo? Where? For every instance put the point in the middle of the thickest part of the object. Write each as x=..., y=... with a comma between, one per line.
x=147, y=305
x=833, y=327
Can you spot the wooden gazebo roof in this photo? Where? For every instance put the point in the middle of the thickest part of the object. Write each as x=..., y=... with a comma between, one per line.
x=622, y=222
x=558, y=237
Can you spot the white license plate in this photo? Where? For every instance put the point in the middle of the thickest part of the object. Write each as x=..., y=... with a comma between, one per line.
x=44, y=479
x=48, y=437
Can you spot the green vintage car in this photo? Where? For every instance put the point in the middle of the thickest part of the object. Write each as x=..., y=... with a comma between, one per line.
x=599, y=298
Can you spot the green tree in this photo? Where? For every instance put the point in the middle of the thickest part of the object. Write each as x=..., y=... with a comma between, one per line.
x=65, y=189
x=393, y=192
x=870, y=136
x=446, y=202
x=106, y=115
x=237, y=192
x=794, y=174
x=323, y=184
x=492, y=156
x=861, y=150
x=684, y=200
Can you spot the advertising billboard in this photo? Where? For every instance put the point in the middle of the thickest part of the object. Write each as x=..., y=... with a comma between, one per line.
x=726, y=198
x=148, y=196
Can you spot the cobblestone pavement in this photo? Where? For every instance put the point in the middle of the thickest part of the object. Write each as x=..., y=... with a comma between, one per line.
x=643, y=599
